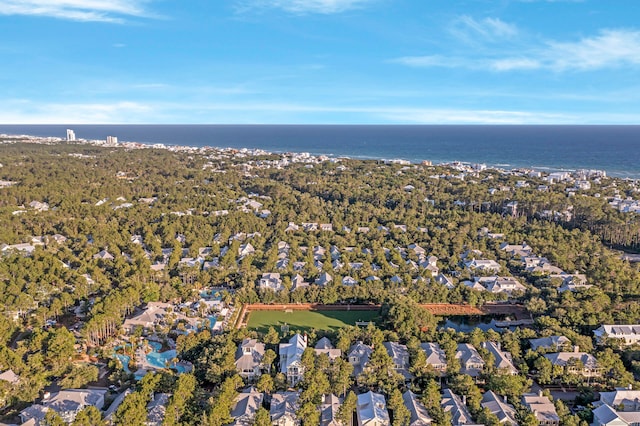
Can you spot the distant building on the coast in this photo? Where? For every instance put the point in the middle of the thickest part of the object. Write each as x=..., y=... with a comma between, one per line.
x=112, y=140
x=71, y=135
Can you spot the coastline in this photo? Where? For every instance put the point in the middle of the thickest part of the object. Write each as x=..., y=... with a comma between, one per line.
x=451, y=162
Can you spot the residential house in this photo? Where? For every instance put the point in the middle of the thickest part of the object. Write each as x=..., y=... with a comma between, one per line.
x=358, y=356
x=452, y=403
x=619, y=407
x=284, y=406
x=542, y=408
x=349, y=281
x=499, y=407
x=471, y=363
x=324, y=279
x=103, y=255
x=156, y=409
x=503, y=359
x=329, y=410
x=551, y=343
x=10, y=377
x=324, y=346
x=517, y=250
x=246, y=405
x=249, y=359
x=419, y=414
x=66, y=403
x=246, y=250
x=483, y=265
x=400, y=355
x=436, y=357
x=445, y=281
x=626, y=334
x=575, y=362
x=271, y=280
x=501, y=284
x=371, y=410
x=291, y=358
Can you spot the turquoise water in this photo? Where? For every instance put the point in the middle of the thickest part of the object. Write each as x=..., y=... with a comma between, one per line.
x=124, y=359
x=159, y=359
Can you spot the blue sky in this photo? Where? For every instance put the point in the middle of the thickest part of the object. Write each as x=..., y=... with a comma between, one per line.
x=320, y=61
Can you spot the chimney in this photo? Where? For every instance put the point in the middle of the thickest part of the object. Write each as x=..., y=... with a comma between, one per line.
x=504, y=398
x=630, y=386
x=464, y=399
x=576, y=349
x=540, y=393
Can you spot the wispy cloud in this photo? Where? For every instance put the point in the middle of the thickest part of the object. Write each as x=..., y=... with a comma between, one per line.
x=28, y=112
x=124, y=112
x=469, y=29
x=304, y=6
x=114, y=11
x=608, y=49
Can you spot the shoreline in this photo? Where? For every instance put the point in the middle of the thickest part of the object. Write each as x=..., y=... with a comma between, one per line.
x=500, y=167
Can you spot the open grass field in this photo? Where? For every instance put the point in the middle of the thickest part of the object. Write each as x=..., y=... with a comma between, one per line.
x=306, y=320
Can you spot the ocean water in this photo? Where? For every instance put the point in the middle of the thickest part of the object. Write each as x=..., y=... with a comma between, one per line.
x=615, y=149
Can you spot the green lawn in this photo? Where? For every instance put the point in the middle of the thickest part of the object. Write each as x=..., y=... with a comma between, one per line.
x=306, y=320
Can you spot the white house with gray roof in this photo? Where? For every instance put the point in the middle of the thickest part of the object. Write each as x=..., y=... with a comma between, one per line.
x=246, y=406
x=249, y=359
x=291, y=358
x=419, y=414
x=471, y=363
x=400, y=356
x=284, y=406
x=627, y=334
x=358, y=356
x=436, y=357
x=503, y=360
x=371, y=410
x=499, y=407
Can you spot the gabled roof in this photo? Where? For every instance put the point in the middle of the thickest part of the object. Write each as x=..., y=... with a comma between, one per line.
x=551, y=342
x=502, y=358
x=499, y=407
x=419, y=414
x=246, y=406
x=372, y=409
x=291, y=352
x=329, y=410
x=283, y=405
x=435, y=354
x=453, y=404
